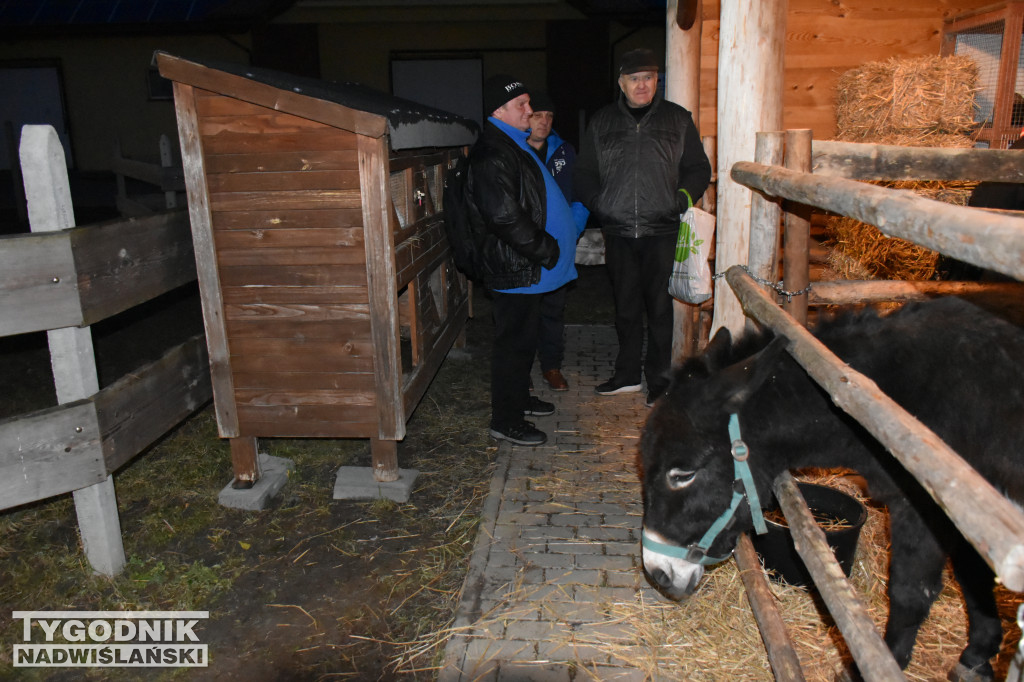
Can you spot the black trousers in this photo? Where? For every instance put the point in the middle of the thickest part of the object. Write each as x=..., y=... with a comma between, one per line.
x=516, y=329
x=551, y=344
x=639, y=271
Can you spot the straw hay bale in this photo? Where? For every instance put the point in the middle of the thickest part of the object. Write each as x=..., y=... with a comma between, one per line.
x=920, y=96
x=917, y=102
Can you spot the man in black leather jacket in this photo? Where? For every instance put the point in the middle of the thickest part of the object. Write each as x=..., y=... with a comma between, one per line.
x=641, y=162
x=524, y=250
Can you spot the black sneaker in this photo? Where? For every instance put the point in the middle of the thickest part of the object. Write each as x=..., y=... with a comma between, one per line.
x=522, y=433
x=614, y=386
x=539, y=408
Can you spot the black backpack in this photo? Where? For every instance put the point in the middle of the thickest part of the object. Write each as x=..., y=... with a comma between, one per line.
x=459, y=224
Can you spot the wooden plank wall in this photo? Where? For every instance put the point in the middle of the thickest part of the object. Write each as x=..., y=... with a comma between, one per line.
x=287, y=223
x=826, y=38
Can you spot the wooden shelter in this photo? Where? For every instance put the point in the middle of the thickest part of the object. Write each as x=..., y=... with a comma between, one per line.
x=328, y=294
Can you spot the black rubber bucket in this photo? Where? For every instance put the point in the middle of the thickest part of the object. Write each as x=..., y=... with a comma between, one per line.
x=841, y=516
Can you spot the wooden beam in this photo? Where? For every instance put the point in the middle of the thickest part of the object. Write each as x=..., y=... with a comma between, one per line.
x=381, y=276
x=142, y=406
x=166, y=178
x=990, y=522
x=874, y=660
x=384, y=456
x=81, y=275
x=49, y=452
x=861, y=161
x=766, y=213
x=752, y=35
x=682, y=58
x=245, y=461
x=777, y=643
x=982, y=238
x=798, y=229
x=847, y=292
x=210, y=292
x=125, y=263
x=39, y=287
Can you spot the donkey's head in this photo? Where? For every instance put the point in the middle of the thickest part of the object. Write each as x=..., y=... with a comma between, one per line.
x=695, y=501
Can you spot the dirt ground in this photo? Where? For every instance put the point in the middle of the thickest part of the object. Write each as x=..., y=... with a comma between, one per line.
x=311, y=588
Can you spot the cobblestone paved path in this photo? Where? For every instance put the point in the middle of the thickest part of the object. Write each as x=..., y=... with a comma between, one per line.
x=558, y=550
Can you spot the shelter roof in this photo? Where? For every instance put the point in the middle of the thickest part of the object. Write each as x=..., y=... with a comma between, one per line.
x=409, y=124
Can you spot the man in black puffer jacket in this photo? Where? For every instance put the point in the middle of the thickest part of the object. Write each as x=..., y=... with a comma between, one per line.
x=641, y=162
x=525, y=244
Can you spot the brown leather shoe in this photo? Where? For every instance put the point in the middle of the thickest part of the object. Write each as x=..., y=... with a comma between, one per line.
x=555, y=380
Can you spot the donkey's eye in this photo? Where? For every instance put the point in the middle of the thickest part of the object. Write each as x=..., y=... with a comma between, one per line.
x=679, y=479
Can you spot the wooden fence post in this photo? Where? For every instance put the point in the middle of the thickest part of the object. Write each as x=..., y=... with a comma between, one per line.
x=48, y=195
x=874, y=660
x=167, y=161
x=765, y=213
x=750, y=81
x=796, y=270
x=682, y=86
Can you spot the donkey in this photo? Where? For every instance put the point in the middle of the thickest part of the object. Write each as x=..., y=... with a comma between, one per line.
x=954, y=366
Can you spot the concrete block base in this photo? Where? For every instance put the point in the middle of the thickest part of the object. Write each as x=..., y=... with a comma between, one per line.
x=274, y=476
x=358, y=483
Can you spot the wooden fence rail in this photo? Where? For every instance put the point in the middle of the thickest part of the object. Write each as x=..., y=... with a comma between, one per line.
x=61, y=279
x=861, y=161
x=988, y=240
x=168, y=177
x=79, y=276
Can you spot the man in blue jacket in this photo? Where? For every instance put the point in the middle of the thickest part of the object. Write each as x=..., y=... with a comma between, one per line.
x=525, y=249
x=559, y=156
x=641, y=162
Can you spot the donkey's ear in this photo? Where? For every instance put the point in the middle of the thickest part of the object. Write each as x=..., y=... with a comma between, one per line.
x=747, y=376
x=717, y=354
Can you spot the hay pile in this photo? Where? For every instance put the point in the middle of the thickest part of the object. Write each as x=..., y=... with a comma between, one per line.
x=917, y=102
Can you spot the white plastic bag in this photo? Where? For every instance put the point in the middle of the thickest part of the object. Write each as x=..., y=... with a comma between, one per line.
x=690, y=280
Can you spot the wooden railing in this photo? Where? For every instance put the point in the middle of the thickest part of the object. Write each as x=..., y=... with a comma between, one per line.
x=62, y=279
x=991, y=240
x=167, y=177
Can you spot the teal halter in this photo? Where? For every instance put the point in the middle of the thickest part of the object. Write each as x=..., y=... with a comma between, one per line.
x=698, y=553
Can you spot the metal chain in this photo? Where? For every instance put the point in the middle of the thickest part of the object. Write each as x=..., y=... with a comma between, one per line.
x=777, y=286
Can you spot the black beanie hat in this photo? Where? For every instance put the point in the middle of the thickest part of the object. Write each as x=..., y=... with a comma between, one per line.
x=638, y=60
x=499, y=89
x=539, y=101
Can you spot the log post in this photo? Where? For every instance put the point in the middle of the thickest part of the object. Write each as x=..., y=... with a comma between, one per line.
x=750, y=82
x=48, y=195
x=874, y=660
x=167, y=161
x=710, y=198
x=796, y=252
x=781, y=654
x=765, y=213
x=682, y=86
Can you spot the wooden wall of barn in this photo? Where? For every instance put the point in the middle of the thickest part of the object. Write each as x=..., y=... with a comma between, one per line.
x=824, y=39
